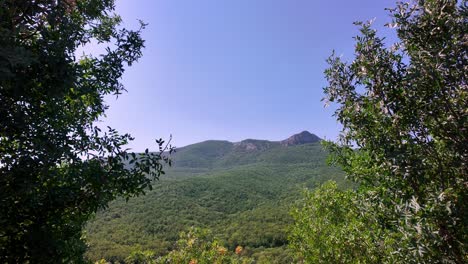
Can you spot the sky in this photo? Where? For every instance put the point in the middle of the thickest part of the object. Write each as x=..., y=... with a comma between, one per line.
x=235, y=69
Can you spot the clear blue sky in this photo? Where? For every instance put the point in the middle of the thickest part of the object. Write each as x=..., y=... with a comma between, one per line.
x=234, y=69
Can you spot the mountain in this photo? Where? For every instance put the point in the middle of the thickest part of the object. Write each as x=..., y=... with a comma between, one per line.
x=304, y=137
x=220, y=154
x=241, y=191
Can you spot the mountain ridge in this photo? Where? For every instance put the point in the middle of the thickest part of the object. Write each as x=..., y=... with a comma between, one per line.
x=215, y=153
x=303, y=137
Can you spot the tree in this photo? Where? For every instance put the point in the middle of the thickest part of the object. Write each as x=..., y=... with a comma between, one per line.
x=404, y=139
x=56, y=166
x=329, y=228
x=140, y=257
x=197, y=246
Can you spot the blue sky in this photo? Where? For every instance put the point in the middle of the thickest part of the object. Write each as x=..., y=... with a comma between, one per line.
x=234, y=69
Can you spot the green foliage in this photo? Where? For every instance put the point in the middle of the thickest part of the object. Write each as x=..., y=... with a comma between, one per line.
x=56, y=167
x=276, y=255
x=140, y=257
x=196, y=247
x=242, y=204
x=329, y=228
x=201, y=155
x=404, y=108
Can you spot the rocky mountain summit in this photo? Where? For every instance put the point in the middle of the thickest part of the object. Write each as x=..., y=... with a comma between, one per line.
x=304, y=137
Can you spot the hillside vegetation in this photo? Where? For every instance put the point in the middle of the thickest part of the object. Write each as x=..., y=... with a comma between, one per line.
x=241, y=191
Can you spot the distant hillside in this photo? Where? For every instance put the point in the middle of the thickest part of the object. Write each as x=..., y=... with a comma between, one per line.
x=219, y=154
x=242, y=191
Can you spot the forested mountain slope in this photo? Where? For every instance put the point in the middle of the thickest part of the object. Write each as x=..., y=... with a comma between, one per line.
x=241, y=191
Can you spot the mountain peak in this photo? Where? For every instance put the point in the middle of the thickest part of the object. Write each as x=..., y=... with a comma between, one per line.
x=301, y=138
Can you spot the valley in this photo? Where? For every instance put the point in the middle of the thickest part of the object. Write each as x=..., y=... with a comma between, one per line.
x=242, y=192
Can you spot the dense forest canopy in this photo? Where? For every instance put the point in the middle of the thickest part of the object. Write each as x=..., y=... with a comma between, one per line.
x=242, y=192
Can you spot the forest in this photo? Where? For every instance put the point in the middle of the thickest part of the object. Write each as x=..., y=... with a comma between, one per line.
x=392, y=188
x=242, y=197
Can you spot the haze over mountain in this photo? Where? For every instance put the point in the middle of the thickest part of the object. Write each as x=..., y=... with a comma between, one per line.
x=242, y=191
